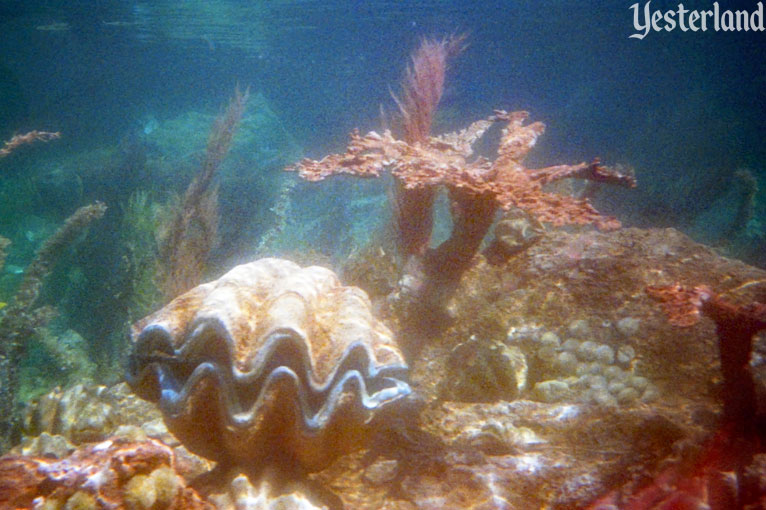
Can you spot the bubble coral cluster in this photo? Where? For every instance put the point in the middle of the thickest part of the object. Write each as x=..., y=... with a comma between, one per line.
x=271, y=361
x=581, y=368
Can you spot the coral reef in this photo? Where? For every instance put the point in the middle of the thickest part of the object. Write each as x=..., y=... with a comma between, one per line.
x=116, y=473
x=738, y=447
x=189, y=236
x=32, y=136
x=21, y=318
x=587, y=287
x=735, y=326
x=269, y=361
x=62, y=420
x=581, y=294
x=477, y=186
x=90, y=413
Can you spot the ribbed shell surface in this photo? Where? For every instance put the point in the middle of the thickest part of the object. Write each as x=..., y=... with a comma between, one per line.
x=270, y=362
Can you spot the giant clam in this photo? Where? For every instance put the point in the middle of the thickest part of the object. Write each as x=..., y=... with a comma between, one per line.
x=271, y=362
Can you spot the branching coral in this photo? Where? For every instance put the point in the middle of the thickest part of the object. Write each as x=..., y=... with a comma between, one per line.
x=22, y=318
x=477, y=186
x=191, y=233
x=32, y=136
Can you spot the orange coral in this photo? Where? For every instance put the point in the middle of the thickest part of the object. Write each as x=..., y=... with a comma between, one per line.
x=445, y=160
x=32, y=136
x=740, y=440
x=680, y=304
x=735, y=326
x=477, y=185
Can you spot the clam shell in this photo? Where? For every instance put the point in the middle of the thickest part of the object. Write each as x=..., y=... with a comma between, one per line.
x=271, y=361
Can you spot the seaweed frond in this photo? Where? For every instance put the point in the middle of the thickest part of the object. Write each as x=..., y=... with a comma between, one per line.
x=4, y=243
x=190, y=235
x=32, y=136
x=22, y=318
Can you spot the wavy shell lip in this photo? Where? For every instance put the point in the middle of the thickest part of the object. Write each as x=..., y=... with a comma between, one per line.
x=387, y=382
x=264, y=332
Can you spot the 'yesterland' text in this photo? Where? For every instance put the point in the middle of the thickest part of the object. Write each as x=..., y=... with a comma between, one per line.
x=716, y=19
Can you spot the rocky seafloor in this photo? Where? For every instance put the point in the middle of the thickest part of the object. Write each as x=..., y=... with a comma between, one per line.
x=554, y=379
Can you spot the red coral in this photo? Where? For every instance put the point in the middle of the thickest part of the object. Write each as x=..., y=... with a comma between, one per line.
x=735, y=325
x=728, y=473
x=423, y=85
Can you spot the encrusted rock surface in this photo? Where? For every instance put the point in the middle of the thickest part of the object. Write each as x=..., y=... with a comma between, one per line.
x=90, y=413
x=657, y=403
x=112, y=474
x=600, y=280
x=573, y=308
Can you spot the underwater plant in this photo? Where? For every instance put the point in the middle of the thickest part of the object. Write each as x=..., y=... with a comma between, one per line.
x=138, y=231
x=477, y=187
x=21, y=318
x=4, y=243
x=190, y=235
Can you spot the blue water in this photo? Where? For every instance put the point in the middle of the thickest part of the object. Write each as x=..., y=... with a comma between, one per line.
x=684, y=109
x=671, y=102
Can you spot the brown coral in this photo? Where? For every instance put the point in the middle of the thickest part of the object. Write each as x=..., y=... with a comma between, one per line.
x=271, y=361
